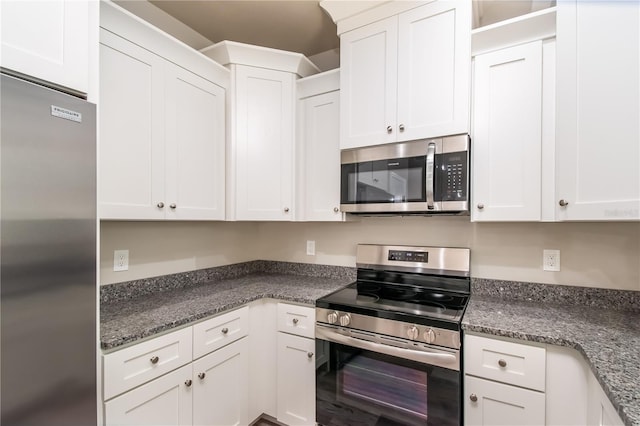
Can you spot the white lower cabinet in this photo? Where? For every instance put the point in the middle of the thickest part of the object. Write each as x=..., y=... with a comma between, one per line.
x=493, y=403
x=164, y=401
x=221, y=388
x=296, y=380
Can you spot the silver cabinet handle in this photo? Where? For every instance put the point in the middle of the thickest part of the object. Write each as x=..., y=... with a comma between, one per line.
x=154, y=360
x=286, y=209
x=401, y=127
x=336, y=210
x=188, y=382
x=173, y=206
x=160, y=205
x=309, y=354
x=295, y=321
x=225, y=330
x=389, y=129
x=563, y=203
x=480, y=206
x=473, y=397
x=502, y=363
x=201, y=376
x=431, y=152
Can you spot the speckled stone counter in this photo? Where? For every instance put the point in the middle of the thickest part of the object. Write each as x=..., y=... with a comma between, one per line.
x=608, y=338
x=125, y=320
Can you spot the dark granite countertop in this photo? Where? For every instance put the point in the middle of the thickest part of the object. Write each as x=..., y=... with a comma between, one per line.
x=127, y=321
x=608, y=339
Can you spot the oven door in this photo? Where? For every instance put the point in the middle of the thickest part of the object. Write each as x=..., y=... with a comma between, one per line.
x=360, y=382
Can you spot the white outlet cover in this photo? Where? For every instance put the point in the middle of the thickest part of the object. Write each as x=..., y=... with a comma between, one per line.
x=551, y=260
x=311, y=248
x=120, y=260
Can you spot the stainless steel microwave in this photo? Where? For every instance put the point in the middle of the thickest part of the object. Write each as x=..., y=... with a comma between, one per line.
x=426, y=176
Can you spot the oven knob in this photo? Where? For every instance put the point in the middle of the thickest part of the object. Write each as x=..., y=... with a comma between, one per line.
x=332, y=318
x=429, y=335
x=412, y=332
x=345, y=320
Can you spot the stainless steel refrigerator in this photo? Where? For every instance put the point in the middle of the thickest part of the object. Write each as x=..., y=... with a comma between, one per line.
x=47, y=256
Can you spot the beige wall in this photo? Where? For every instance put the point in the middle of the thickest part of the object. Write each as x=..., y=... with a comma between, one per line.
x=592, y=254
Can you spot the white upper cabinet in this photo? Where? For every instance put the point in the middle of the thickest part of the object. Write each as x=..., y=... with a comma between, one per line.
x=407, y=76
x=319, y=147
x=598, y=133
x=507, y=134
x=162, y=126
x=48, y=40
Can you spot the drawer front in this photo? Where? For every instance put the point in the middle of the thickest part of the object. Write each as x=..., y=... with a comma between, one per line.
x=508, y=362
x=145, y=361
x=298, y=320
x=217, y=332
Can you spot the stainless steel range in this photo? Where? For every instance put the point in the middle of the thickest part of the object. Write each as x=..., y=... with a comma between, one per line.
x=391, y=340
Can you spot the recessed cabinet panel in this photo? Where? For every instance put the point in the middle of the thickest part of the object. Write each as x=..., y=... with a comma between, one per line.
x=598, y=148
x=368, y=58
x=296, y=380
x=131, y=142
x=264, y=144
x=507, y=134
x=195, y=126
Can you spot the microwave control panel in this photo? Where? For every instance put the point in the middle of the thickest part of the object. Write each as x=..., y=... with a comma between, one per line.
x=454, y=176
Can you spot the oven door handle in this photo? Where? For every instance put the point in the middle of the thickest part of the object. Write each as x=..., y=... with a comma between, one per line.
x=439, y=358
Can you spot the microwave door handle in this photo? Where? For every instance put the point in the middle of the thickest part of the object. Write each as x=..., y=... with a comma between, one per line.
x=431, y=152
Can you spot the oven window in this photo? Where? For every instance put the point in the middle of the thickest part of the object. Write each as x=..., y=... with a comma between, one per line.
x=358, y=387
x=384, y=181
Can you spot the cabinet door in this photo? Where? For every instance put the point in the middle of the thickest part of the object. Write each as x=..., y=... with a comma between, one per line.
x=263, y=150
x=434, y=70
x=47, y=40
x=131, y=130
x=221, y=387
x=507, y=134
x=368, y=75
x=600, y=411
x=320, y=117
x=164, y=401
x=494, y=404
x=598, y=134
x=195, y=146
x=296, y=380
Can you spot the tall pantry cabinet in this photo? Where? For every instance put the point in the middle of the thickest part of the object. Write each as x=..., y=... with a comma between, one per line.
x=261, y=140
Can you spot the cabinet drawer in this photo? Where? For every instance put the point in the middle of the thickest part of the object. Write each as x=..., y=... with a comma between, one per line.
x=295, y=319
x=514, y=363
x=145, y=361
x=217, y=332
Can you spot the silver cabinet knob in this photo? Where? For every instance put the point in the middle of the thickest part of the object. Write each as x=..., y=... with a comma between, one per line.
x=563, y=203
x=389, y=129
x=172, y=206
x=154, y=360
x=309, y=354
x=332, y=318
x=401, y=127
x=345, y=320
x=480, y=206
x=336, y=210
x=201, y=376
x=188, y=382
x=160, y=205
x=502, y=363
x=295, y=321
x=286, y=209
x=225, y=330
x=412, y=332
x=429, y=335
x=473, y=397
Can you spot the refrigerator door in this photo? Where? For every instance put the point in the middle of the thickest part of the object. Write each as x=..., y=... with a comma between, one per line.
x=47, y=256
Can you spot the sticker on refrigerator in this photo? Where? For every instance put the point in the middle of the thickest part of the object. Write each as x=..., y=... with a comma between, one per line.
x=67, y=114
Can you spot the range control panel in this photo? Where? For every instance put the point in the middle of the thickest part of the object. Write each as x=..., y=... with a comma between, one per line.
x=408, y=256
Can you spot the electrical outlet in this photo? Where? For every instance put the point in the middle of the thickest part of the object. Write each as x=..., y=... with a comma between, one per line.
x=121, y=260
x=551, y=260
x=311, y=248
